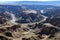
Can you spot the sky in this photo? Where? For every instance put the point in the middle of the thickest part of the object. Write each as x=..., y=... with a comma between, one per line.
x=27, y=0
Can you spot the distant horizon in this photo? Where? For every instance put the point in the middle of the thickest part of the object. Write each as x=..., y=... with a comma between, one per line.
x=28, y=0
x=30, y=3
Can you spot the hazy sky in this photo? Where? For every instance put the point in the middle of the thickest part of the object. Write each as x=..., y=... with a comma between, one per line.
x=28, y=0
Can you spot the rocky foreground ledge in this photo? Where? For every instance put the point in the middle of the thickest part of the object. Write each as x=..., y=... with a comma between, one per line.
x=43, y=30
x=40, y=31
